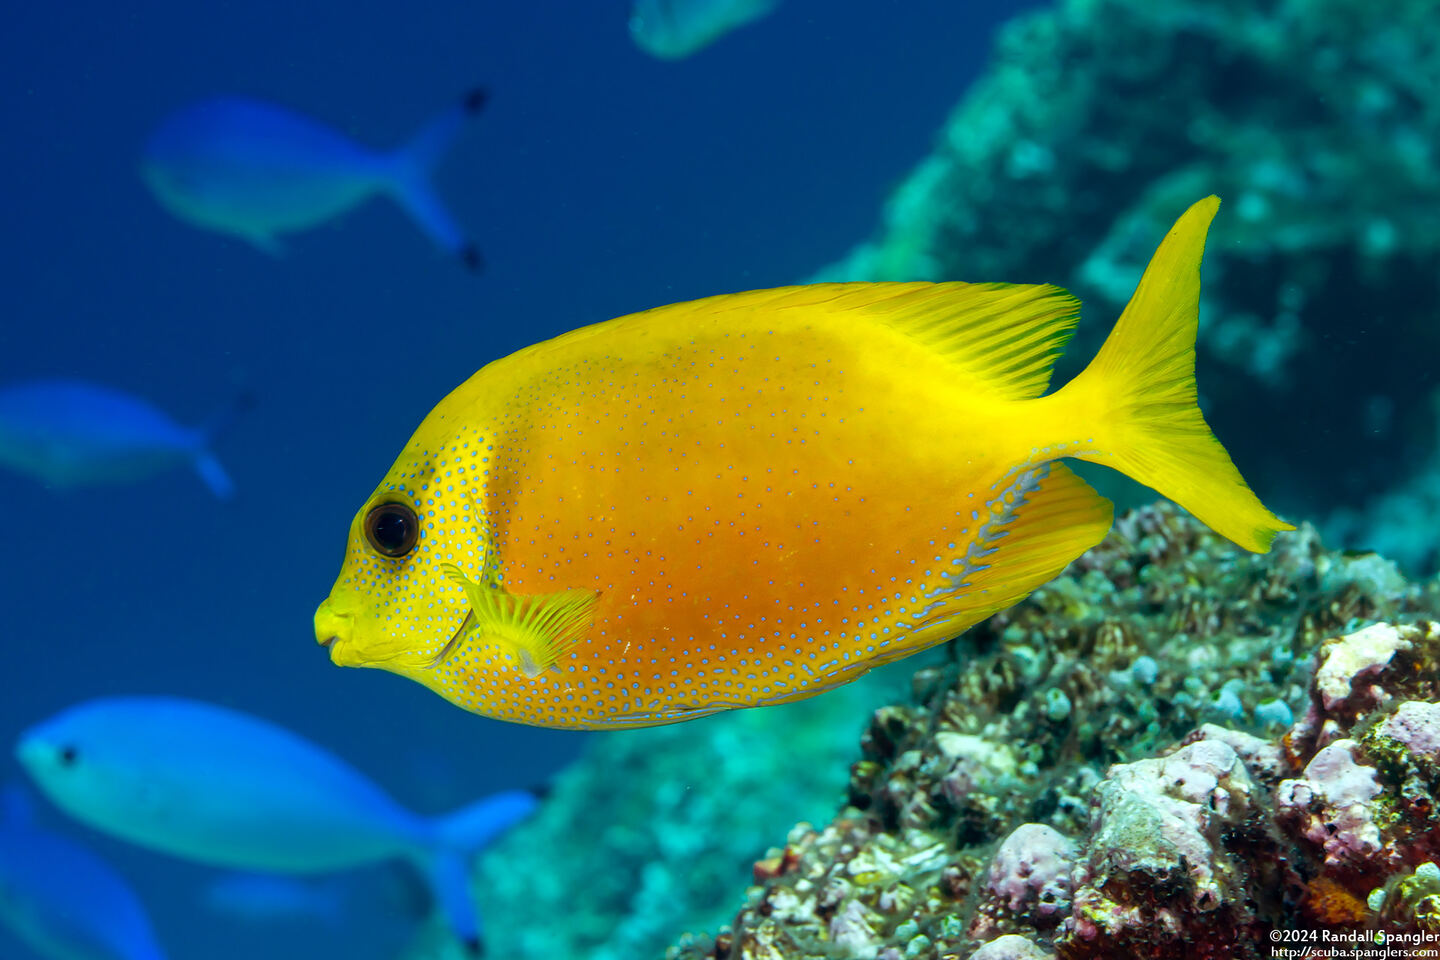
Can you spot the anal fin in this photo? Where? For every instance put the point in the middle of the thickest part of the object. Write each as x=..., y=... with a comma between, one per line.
x=1038, y=522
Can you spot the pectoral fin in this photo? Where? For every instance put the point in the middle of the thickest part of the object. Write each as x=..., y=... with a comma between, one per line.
x=537, y=628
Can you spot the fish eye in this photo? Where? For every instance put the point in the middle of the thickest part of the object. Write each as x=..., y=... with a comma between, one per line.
x=392, y=529
x=68, y=756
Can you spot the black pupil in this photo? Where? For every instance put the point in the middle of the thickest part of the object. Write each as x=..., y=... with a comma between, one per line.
x=68, y=756
x=392, y=529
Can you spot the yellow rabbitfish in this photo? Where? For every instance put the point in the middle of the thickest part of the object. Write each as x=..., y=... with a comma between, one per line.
x=752, y=498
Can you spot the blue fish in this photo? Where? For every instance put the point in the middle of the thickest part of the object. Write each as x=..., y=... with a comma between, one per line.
x=333, y=900
x=221, y=787
x=63, y=900
x=258, y=170
x=70, y=433
x=272, y=898
x=675, y=29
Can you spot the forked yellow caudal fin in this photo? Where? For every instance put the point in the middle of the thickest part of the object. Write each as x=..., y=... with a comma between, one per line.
x=1139, y=395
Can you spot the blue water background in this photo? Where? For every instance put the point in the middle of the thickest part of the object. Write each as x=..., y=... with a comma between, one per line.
x=597, y=182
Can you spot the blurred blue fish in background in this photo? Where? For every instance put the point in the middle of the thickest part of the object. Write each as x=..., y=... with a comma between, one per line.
x=69, y=433
x=257, y=170
x=60, y=898
x=220, y=787
x=675, y=29
x=271, y=898
x=331, y=900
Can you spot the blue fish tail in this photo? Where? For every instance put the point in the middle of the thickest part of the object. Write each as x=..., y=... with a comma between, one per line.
x=448, y=874
x=214, y=475
x=209, y=468
x=457, y=838
x=471, y=829
x=411, y=169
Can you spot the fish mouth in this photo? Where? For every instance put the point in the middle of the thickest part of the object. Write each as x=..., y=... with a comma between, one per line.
x=335, y=649
x=335, y=631
x=332, y=629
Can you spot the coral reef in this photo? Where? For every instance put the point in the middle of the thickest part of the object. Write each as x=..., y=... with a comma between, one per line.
x=1031, y=871
x=1098, y=121
x=1165, y=810
x=1333, y=805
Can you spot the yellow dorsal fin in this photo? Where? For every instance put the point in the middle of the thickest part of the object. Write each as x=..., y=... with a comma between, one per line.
x=538, y=628
x=1002, y=334
x=1005, y=336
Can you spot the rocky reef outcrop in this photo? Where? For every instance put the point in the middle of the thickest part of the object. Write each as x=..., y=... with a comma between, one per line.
x=1170, y=751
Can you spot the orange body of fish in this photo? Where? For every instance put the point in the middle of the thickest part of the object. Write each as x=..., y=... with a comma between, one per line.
x=752, y=498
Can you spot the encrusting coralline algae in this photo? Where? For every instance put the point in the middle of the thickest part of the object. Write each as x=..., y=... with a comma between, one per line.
x=1162, y=814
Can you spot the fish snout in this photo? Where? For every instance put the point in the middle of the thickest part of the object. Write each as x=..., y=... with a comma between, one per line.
x=27, y=751
x=333, y=631
x=34, y=752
